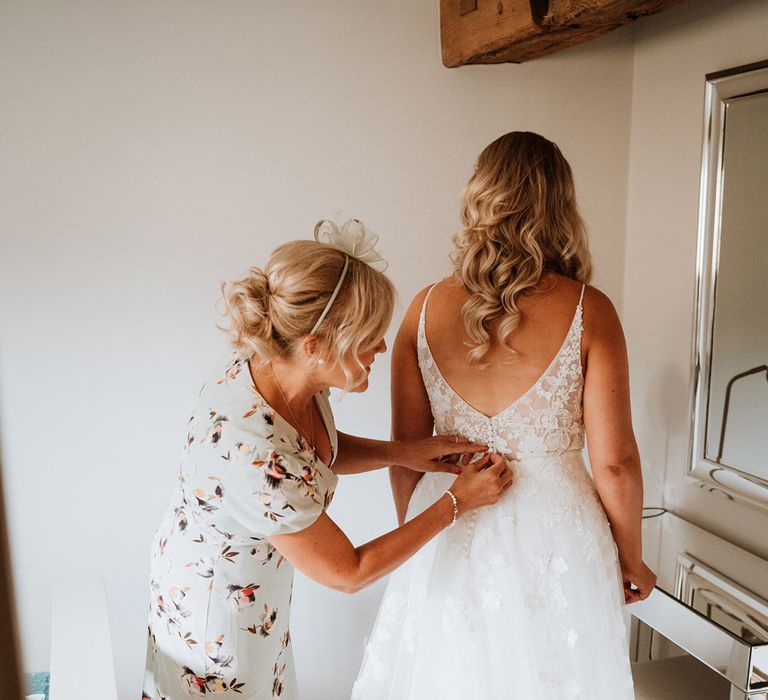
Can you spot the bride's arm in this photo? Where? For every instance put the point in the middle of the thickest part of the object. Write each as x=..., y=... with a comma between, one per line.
x=613, y=454
x=411, y=412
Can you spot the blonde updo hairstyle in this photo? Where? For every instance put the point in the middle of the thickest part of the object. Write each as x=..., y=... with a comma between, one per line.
x=520, y=221
x=271, y=310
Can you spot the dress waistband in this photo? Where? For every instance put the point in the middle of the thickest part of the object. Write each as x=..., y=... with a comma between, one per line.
x=565, y=454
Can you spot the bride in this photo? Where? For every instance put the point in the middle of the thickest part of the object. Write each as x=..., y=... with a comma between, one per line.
x=522, y=600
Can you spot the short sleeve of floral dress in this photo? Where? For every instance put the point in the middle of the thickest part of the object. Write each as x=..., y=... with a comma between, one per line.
x=220, y=592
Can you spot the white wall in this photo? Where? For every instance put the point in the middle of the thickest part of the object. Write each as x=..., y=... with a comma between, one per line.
x=150, y=150
x=673, y=52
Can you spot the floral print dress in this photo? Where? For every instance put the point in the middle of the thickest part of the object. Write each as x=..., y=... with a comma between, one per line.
x=220, y=592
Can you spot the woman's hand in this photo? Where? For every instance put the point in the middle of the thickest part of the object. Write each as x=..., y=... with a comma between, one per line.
x=482, y=482
x=439, y=453
x=324, y=553
x=639, y=576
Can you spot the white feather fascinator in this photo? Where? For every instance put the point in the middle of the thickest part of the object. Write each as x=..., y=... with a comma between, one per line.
x=356, y=241
x=352, y=238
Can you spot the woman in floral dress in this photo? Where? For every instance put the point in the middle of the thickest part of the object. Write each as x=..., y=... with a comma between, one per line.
x=260, y=466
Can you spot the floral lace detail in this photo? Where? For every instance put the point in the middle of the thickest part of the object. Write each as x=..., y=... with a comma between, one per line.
x=559, y=686
x=546, y=419
x=484, y=608
x=546, y=591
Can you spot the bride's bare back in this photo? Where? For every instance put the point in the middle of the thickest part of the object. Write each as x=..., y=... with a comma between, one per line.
x=547, y=314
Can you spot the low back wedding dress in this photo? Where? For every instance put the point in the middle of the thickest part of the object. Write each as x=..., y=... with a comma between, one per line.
x=522, y=600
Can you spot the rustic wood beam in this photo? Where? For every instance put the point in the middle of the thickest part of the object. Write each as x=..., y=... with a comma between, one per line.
x=500, y=31
x=481, y=32
x=569, y=13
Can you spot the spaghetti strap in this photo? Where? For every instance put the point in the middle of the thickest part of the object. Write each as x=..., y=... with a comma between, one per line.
x=422, y=315
x=581, y=298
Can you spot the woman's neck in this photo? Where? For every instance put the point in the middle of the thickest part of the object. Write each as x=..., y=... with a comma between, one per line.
x=286, y=382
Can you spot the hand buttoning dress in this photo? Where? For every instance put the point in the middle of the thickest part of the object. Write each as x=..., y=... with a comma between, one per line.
x=518, y=601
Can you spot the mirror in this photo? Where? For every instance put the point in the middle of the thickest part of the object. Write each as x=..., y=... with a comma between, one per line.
x=730, y=440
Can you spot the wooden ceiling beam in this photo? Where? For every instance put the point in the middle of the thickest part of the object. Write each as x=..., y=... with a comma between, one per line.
x=513, y=31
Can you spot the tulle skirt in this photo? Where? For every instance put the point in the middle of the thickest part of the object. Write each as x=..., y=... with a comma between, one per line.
x=521, y=600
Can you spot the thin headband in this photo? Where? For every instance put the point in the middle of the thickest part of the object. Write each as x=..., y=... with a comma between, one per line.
x=333, y=296
x=355, y=241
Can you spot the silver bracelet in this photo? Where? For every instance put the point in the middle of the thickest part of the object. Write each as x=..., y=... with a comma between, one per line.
x=455, y=507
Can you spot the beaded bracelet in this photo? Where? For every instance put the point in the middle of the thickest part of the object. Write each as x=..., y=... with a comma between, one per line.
x=455, y=507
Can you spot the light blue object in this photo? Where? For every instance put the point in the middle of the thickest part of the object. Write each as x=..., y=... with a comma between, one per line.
x=39, y=684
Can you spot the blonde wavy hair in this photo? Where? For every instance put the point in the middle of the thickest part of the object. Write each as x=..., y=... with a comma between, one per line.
x=520, y=221
x=271, y=310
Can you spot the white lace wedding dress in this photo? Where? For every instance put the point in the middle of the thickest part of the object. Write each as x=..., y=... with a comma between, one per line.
x=522, y=600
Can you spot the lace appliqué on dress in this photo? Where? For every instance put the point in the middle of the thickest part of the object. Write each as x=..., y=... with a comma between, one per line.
x=545, y=419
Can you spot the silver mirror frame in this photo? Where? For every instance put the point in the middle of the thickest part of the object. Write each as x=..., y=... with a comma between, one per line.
x=713, y=476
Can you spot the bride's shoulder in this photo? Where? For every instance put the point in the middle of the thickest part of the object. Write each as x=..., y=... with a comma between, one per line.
x=567, y=290
x=435, y=290
x=602, y=324
x=598, y=303
x=412, y=314
x=410, y=323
